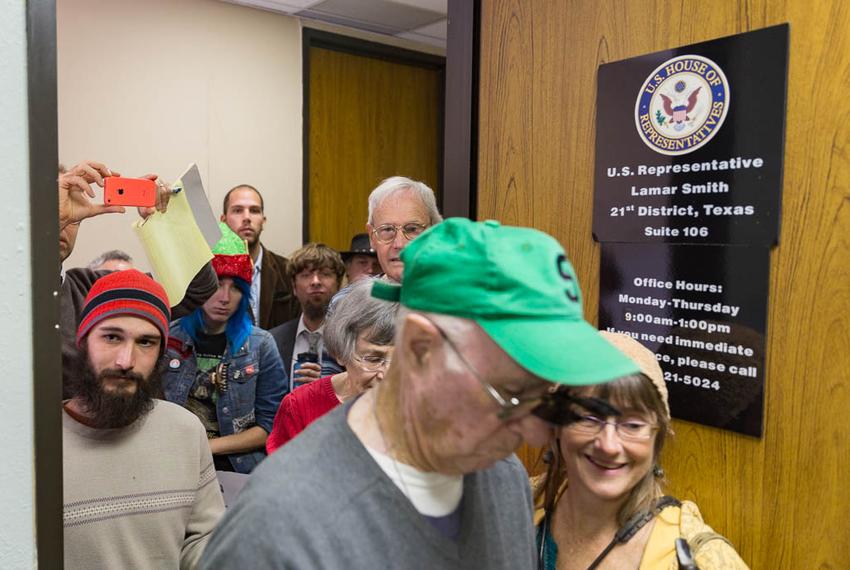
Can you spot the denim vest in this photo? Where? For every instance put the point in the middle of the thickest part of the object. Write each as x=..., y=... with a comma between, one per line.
x=256, y=383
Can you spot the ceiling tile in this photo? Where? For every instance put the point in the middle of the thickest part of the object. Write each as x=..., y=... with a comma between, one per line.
x=417, y=20
x=298, y=4
x=439, y=6
x=418, y=38
x=435, y=30
x=282, y=6
x=381, y=15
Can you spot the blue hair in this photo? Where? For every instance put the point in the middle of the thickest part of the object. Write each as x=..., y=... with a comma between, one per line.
x=239, y=324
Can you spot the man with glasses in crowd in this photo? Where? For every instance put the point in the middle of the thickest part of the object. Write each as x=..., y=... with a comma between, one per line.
x=419, y=471
x=399, y=210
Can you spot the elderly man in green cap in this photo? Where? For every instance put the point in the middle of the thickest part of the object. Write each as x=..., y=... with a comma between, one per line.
x=420, y=472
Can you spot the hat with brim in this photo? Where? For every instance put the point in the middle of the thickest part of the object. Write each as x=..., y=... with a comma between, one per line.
x=572, y=353
x=359, y=246
x=519, y=286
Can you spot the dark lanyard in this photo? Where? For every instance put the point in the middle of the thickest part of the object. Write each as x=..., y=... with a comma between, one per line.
x=622, y=536
x=633, y=525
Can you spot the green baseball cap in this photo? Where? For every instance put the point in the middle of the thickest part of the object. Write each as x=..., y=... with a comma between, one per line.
x=519, y=286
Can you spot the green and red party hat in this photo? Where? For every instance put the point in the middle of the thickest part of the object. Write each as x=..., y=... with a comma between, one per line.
x=230, y=256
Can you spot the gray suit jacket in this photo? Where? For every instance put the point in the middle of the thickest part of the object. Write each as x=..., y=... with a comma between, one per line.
x=284, y=338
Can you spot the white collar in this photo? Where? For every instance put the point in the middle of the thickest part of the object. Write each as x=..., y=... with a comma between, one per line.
x=303, y=328
x=258, y=264
x=432, y=494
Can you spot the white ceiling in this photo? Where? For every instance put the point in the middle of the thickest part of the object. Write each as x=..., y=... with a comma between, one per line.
x=417, y=20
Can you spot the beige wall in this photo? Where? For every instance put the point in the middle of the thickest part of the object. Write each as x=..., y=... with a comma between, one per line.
x=153, y=86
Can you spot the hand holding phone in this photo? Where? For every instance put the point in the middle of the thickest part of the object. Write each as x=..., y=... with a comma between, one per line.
x=306, y=368
x=119, y=191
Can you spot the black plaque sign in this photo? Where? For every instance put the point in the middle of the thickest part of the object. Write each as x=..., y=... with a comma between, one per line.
x=689, y=143
x=703, y=311
x=689, y=148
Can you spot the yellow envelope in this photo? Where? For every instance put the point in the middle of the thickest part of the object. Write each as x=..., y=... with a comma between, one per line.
x=175, y=246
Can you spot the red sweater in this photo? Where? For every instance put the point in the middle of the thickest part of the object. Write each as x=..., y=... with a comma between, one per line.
x=299, y=408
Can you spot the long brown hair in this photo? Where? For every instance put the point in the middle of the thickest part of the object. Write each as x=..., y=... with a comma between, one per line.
x=634, y=392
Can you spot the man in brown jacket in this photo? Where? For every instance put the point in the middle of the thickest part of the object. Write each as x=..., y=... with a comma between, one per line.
x=272, y=302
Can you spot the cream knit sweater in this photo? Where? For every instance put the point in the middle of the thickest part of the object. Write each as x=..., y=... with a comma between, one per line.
x=144, y=496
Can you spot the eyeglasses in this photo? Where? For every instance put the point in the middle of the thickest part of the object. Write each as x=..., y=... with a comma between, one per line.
x=372, y=363
x=629, y=430
x=386, y=233
x=510, y=407
x=552, y=406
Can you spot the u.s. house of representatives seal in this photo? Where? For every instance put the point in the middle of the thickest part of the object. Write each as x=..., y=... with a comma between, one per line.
x=682, y=104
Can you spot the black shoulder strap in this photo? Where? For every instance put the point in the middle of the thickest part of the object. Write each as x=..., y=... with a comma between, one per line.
x=633, y=525
x=638, y=521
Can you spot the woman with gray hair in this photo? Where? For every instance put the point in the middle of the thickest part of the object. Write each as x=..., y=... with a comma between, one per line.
x=359, y=334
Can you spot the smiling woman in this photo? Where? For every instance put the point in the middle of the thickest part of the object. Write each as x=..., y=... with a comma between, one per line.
x=601, y=498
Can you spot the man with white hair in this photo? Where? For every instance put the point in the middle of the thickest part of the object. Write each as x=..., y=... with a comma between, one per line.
x=419, y=472
x=400, y=209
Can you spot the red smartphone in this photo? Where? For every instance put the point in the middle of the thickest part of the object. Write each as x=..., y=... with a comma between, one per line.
x=119, y=191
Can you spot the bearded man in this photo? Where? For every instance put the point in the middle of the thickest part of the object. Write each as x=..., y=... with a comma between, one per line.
x=139, y=483
x=316, y=272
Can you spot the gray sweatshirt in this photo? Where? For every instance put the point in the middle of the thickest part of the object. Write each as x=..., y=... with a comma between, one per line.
x=321, y=501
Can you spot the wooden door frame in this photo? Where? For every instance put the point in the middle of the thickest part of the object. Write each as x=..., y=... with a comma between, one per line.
x=44, y=260
x=311, y=38
x=460, y=158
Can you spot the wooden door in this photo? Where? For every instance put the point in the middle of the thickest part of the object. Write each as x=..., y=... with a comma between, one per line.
x=782, y=499
x=369, y=118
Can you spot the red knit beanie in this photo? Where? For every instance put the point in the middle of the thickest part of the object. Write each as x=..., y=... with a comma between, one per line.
x=129, y=292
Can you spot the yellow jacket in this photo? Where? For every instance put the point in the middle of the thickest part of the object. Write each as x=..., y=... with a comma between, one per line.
x=710, y=550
